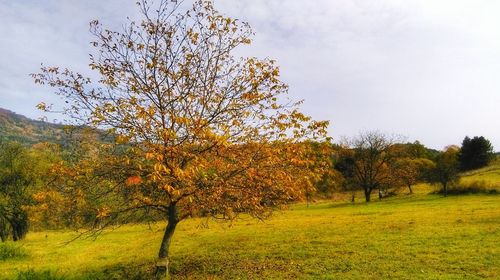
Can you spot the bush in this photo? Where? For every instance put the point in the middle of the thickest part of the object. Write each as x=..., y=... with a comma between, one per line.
x=9, y=251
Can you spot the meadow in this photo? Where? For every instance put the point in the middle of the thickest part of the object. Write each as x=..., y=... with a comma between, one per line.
x=420, y=236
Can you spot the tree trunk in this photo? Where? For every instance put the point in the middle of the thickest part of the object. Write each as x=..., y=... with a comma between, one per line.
x=445, y=189
x=380, y=195
x=4, y=234
x=367, y=194
x=163, y=255
x=409, y=187
x=13, y=229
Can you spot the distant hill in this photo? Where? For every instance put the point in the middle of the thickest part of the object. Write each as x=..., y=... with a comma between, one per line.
x=15, y=127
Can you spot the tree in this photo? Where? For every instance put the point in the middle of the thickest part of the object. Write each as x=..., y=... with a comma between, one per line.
x=475, y=153
x=16, y=179
x=445, y=171
x=202, y=132
x=372, y=156
x=409, y=171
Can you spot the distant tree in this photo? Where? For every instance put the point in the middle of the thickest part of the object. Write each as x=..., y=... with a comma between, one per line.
x=446, y=168
x=373, y=155
x=204, y=132
x=475, y=153
x=16, y=179
x=416, y=150
x=409, y=171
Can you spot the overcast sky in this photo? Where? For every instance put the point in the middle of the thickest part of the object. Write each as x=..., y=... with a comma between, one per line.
x=427, y=69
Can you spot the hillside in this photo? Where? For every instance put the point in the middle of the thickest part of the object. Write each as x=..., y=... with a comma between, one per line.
x=488, y=176
x=15, y=127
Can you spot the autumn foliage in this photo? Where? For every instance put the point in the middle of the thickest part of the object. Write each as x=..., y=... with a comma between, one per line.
x=203, y=132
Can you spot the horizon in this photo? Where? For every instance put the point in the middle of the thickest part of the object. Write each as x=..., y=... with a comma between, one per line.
x=401, y=141
x=426, y=71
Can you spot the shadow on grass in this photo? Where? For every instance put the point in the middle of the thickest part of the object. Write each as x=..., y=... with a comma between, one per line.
x=31, y=274
x=137, y=271
x=194, y=267
x=470, y=189
x=228, y=266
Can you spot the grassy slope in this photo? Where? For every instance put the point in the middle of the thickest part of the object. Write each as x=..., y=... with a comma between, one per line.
x=489, y=175
x=418, y=237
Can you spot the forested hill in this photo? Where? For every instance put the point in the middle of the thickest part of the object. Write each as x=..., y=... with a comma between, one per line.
x=15, y=127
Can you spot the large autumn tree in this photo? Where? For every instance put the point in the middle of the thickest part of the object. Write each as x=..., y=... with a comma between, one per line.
x=206, y=132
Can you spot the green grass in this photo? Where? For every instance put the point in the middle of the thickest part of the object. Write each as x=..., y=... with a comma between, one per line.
x=406, y=237
x=489, y=177
x=9, y=251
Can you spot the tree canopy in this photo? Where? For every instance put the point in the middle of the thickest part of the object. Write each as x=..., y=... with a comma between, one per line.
x=475, y=153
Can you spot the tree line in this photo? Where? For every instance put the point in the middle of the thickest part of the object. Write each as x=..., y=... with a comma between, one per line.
x=374, y=161
x=50, y=186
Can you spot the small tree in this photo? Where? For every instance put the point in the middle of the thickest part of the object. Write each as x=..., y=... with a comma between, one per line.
x=372, y=155
x=408, y=171
x=475, y=153
x=445, y=171
x=204, y=132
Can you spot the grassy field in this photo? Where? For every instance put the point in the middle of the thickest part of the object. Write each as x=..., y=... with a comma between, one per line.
x=417, y=236
x=488, y=176
x=406, y=237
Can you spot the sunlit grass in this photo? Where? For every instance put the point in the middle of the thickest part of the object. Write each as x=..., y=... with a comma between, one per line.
x=489, y=177
x=418, y=236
